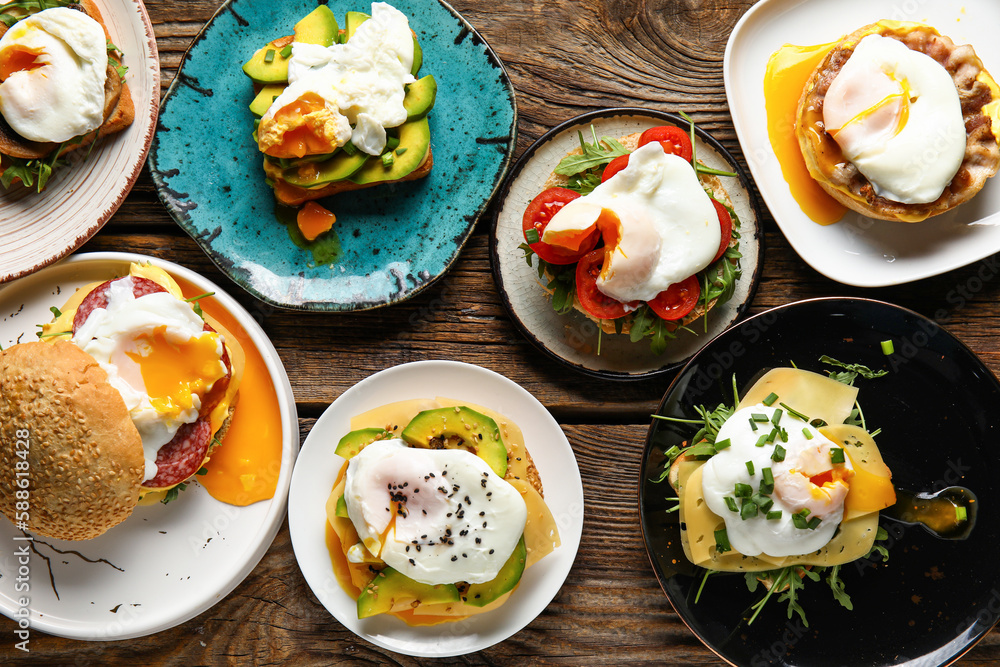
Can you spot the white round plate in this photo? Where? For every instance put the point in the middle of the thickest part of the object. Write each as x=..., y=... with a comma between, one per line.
x=858, y=250
x=165, y=564
x=38, y=229
x=572, y=339
x=317, y=471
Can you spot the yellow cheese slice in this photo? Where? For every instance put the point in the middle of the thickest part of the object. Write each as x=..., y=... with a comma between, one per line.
x=812, y=394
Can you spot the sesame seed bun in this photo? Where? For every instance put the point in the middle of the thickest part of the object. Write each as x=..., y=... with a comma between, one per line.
x=84, y=455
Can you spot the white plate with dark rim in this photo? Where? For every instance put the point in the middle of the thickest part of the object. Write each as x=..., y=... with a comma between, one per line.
x=858, y=250
x=165, y=564
x=572, y=339
x=318, y=467
x=38, y=229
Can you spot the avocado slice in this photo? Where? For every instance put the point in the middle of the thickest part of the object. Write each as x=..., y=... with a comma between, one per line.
x=337, y=168
x=389, y=585
x=414, y=140
x=266, y=97
x=273, y=68
x=420, y=96
x=480, y=595
x=342, y=508
x=457, y=427
x=318, y=27
x=355, y=441
x=418, y=57
x=354, y=19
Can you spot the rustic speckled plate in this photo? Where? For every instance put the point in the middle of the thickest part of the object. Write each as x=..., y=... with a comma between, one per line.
x=572, y=339
x=394, y=239
x=939, y=411
x=37, y=229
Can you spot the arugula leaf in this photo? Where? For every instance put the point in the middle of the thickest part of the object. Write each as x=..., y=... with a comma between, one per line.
x=837, y=585
x=593, y=155
x=851, y=371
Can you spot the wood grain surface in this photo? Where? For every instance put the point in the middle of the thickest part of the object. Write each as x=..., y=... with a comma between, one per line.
x=659, y=54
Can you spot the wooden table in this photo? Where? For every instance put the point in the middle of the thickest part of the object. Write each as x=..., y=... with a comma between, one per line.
x=660, y=54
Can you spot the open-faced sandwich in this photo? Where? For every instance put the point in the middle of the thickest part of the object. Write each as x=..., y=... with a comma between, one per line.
x=126, y=394
x=786, y=485
x=437, y=512
x=897, y=122
x=62, y=86
x=341, y=109
x=636, y=234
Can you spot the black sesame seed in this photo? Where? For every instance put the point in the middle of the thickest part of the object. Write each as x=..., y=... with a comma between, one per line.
x=454, y=558
x=478, y=541
x=491, y=551
x=464, y=556
x=412, y=562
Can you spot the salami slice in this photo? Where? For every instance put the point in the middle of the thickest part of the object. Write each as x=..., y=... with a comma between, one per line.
x=182, y=457
x=98, y=298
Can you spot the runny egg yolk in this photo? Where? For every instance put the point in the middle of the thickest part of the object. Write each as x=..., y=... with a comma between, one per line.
x=892, y=110
x=314, y=220
x=174, y=372
x=245, y=467
x=787, y=72
x=18, y=58
x=303, y=123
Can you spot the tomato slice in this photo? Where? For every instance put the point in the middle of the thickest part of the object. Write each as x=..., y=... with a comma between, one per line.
x=673, y=139
x=726, y=225
x=677, y=300
x=537, y=217
x=614, y=167
x=593, y=300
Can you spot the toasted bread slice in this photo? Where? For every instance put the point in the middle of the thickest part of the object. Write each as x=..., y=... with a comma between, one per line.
x=119, y=109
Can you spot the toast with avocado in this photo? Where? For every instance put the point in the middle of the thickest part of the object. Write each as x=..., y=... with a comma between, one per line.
x=320, y=131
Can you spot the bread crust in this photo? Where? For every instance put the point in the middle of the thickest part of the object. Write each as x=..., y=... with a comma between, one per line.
x=844, y=182
x=84, y=457
x=624, y=325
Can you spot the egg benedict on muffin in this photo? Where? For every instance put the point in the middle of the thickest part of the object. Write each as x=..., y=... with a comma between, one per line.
x=897, y=122
x=130, y=382
x=61, y=87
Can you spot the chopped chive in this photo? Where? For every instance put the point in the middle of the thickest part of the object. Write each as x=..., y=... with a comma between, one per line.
x=778, y=454
x=795, y=413
x=762, y=440
x=814, y=523
x=748, y=510
x=773, y=434
x=806, y=432
x=350, y=149
x=800, y=521
x=772, y=516
x=287, y=51
x=750, y=467
x=722, y=541
x=771, y=398
x=768, y=476
x=742, y=490
x=387, y=160
x=961, y=514
x=731, y=504
x=400, y=151
x=887, y=347
x=56, y=311
x=753, y=425
x=836, y=455
x=765, y=503
x=531, y=236
x=777, y=416
x=269, y=56
x=759, y=417
x=722, y=444
x=783, y=434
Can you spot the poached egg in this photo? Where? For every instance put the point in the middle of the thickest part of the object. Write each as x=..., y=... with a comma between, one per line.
x=438, y=516
x=896, y=115
x=53, y=67
x=807, y=481
x=343, y=92
x=658, y=224
x=157, y=356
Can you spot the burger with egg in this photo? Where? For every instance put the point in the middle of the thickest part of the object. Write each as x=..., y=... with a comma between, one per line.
x=126, y=394
x=898, y=122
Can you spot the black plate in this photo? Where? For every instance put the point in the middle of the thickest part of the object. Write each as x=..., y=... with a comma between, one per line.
x=939, y=411
x=572, y=339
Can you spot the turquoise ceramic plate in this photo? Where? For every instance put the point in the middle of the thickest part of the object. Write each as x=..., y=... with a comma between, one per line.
x=394, y=239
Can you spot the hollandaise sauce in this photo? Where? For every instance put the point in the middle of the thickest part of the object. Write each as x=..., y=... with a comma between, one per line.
x=244, y=468
x=788, y=70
